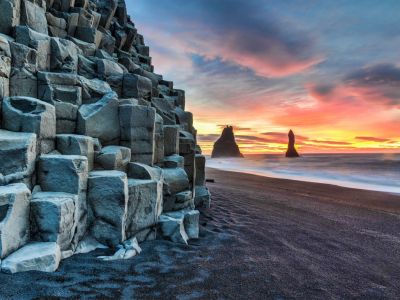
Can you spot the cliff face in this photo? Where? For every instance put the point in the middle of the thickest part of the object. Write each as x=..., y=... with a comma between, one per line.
x=96, y=149
x=291, y=151
x=226, y=145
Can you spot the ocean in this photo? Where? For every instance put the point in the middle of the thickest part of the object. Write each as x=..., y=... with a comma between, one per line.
x=377, y=172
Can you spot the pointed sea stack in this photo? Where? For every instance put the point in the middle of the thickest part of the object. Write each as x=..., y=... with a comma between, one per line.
x=291, y=151
x=226, y=145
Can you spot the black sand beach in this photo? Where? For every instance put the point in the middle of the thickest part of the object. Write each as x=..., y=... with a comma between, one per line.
x=263, y=238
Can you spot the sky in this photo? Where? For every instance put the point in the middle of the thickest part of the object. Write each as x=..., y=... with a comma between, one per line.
x=328, y=70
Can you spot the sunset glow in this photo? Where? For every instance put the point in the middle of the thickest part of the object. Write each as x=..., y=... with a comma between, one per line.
x=327, y=70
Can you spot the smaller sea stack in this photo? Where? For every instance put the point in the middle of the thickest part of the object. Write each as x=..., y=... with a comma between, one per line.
x=291, y=150
x=226, y=145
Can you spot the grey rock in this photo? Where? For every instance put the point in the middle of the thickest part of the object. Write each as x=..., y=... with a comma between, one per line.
x=52, y=218
x=137, y=125
x=44, y=257
x=143, y=171
x=9, y=15
x=17, y=156
x=174, y=161
x=144, y=207
x=190, y=221
x=33, y=16
x=126, y=250
x=173, y=228
x=200, y=161
x=108, y=201
x=100, y=119
x=29, y=115
x=88, y=244
x=89, y=35
x=39, y=42
x=73, y=144
x=14, y=217
x=136, y=86
x=202, y=197
x=64, y=56
x=67, y=174
x=23, y=83
x=107, y=9
x=171, y=139
x=114, y=158
x=55, y=21
x=176, y=180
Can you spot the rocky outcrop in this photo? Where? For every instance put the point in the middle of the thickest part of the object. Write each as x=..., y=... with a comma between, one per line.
x=96, y=149
x=291, y=150
x=226, y=145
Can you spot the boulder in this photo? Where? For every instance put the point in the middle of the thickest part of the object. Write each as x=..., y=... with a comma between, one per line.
x=67, y=174
x=14, y=217
x=136, y=86
x=89, y=35
x=107, y=9
x=10, y=11
x=17, y=156
x=138, y=132
x=113, y=158
x=23, y=82
x=202, y=197
x=64, y=56
x=173, y=228
x=190, y=221
x=88, y=244
x=187, y=149
x=34, y=16
x=176, y=190
x=144, y=208
x=174, y=161
x=37, y=256
x=171, y=139
x=73, y=144
x=100, y=120
x=200, y=170
x=176, y=180
x=108, y=201
x=38, y=41
x=143, y=171
x=126, y=250
x=30, y=115
x=52, y=218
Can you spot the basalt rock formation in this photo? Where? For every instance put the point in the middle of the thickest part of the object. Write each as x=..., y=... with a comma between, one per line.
x=291, y=150
x=96, y=150
x=226, y=145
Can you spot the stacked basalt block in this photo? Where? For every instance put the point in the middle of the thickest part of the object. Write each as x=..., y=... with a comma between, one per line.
x=96, y=150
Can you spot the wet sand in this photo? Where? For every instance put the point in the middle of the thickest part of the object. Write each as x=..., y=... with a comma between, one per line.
x=263, y=238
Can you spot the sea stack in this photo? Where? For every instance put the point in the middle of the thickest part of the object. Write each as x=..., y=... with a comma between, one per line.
x=291, y=151
x=226, y=145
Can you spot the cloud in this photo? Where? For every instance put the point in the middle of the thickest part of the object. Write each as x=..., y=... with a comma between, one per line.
x=372, y=139
x=244, y=32
x=328, y=142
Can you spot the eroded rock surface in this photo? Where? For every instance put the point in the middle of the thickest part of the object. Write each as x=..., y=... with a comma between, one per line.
x=95, y=146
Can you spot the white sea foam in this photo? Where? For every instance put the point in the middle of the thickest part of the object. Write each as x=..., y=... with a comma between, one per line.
x=377, y=172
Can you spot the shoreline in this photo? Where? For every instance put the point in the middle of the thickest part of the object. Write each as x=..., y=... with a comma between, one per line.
x=338, y=183
x=388, y=201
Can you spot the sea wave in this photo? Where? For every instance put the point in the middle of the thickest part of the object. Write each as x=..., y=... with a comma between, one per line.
x=377, y=172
